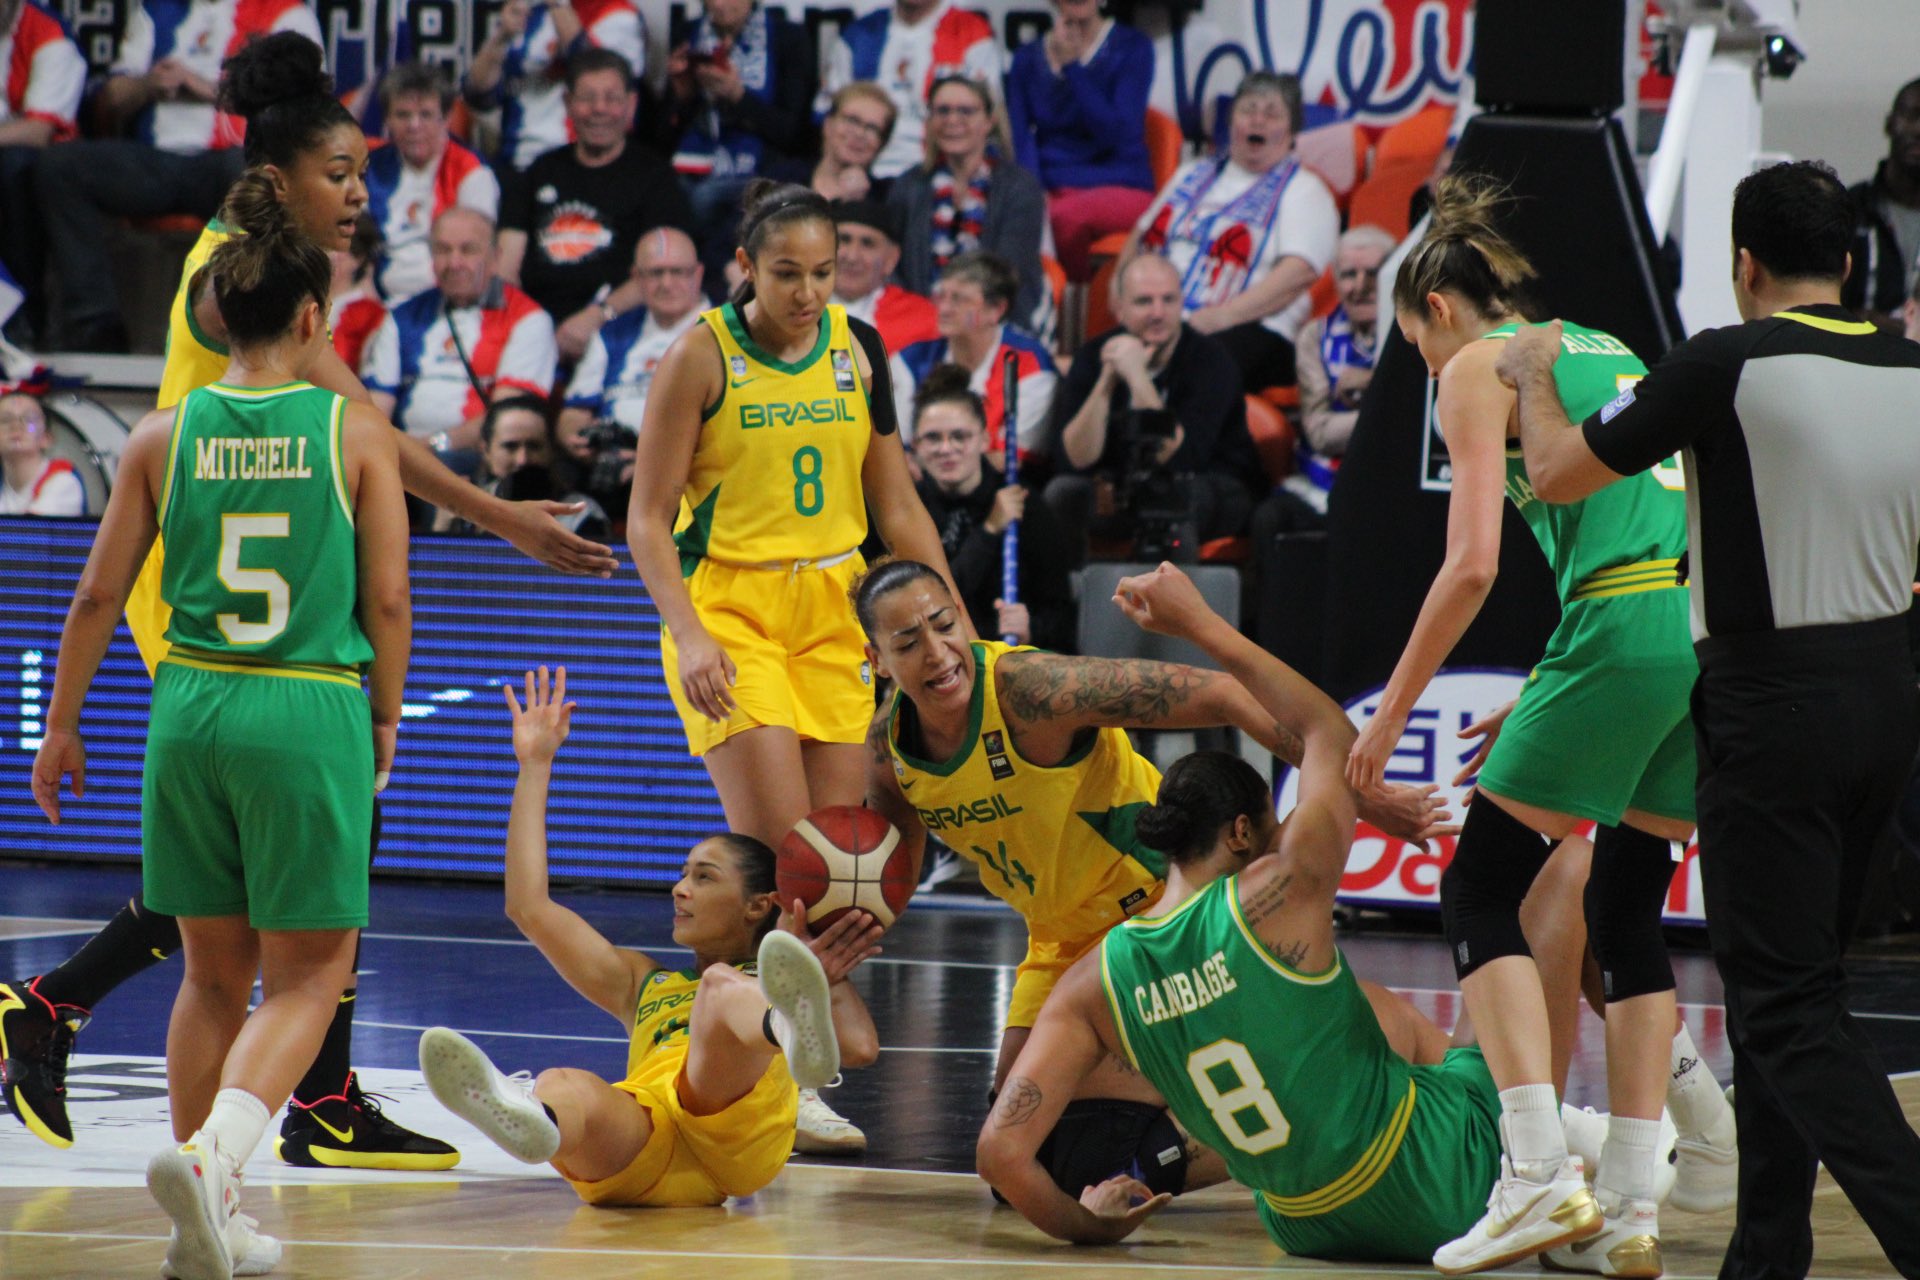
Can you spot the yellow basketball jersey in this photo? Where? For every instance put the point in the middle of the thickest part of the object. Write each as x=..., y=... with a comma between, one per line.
x=193, y=361
x=1057, y=844
x=661, y=1019
x=776, y=473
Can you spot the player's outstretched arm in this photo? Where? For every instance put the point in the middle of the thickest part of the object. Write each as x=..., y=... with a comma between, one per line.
x=120, y=547
x=608, y=976
x=1068, y=1041
x=840, y=949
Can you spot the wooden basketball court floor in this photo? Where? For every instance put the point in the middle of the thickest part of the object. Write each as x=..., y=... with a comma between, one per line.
x=910, y=1208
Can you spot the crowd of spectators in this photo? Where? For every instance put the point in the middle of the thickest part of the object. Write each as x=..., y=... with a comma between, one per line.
x=543, y=226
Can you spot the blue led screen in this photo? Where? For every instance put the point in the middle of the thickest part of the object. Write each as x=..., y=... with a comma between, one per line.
x=627, y=799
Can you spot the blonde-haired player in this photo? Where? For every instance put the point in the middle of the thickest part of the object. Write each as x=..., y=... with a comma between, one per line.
x=707, y=1107
x=769, y=434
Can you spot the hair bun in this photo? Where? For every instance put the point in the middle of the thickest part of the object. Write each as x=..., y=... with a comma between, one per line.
x=945, y=380
x=282, y=67
x=1162, y=825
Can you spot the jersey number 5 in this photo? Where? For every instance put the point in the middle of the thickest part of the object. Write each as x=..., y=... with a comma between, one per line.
x=1249, y=1092
x=233, y=531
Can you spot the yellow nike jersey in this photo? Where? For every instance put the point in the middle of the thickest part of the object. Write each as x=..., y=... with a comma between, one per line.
x=1056, y=844
x=661, y=1019
x=193, y=361
x=775, y=475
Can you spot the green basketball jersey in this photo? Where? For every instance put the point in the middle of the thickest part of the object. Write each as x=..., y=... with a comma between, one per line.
x=1287, y=1075
x=254, y=513
x=1627, y=536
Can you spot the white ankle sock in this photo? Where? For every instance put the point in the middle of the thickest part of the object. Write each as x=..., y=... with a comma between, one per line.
x=1530, y=1125
x=1628, y=1160
x=1699, y=1107
x=237, y=1121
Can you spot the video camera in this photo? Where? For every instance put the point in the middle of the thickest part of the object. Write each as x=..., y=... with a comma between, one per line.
x=612, y=444
x=1157, y=500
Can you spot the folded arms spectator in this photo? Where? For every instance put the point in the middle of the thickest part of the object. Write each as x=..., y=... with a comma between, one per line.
x=1249, y=232
x=570, y=223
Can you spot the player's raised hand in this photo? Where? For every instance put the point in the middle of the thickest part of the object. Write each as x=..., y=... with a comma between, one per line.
x=1367, y=760
x=1122, y=1203
x=1532, y=348
x=544, y=722
x=1165, y=601
x=852, y=938
x=61, y=755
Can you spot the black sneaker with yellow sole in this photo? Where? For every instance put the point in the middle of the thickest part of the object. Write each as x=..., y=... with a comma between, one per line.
x=36, y=1038
x=349, y=1131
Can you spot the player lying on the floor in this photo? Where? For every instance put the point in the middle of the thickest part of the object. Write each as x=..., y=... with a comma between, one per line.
x=1363, y=1132
x=707, y=1108
x=1020, y=760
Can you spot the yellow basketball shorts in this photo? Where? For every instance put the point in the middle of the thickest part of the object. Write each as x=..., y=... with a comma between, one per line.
x=798, y=653
x=694, y=1161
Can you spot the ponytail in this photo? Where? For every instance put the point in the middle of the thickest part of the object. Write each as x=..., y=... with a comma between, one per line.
x=1200, y=796
x=1464, y=253
x=268, y=269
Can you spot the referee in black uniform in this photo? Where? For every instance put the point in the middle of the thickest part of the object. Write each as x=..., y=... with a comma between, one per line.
x=1801, y=432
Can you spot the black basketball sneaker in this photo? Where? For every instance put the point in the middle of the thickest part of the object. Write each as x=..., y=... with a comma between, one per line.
x=349, y=1131
x=36, y=1038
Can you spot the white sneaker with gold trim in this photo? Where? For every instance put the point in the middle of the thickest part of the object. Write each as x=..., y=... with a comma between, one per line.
x=1523, y=1218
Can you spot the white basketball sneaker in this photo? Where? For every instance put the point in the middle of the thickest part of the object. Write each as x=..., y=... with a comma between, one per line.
x=1586, y=1131
x=253, y=1252
x=796, y=986
x=503, y=1107
x=1707, y=1174
x=1627, y=1244
x=190, y=1184
x=822, y=1131
x=1523, y=1218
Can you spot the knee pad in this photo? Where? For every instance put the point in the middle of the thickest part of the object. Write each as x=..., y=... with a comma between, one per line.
x=1099, y=1138
x=1626, y=891
x=1494, y=864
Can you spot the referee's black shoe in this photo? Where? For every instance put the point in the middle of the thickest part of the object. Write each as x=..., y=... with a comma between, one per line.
x=349, y=1131
x=36, y=1038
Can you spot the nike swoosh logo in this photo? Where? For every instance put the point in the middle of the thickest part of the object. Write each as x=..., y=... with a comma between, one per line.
x=344, y=1135
x=7, y=1005
x=741, y=383
x=1496, y=1230
x=905, y=785
x=1580, y=1247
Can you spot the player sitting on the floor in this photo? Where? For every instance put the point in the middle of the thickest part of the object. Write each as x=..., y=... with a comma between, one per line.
x=1363, y=1133
x=707, y=1108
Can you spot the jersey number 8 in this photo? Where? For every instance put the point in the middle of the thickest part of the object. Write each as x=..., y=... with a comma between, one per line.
x=1249, y=1093
x=809, y=493
x=235, y=529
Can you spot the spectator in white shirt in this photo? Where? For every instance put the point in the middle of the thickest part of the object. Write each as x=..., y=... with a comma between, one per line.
x=612, y=379
x=1249, y=233
x=420, y=174
x=36, y=485
x=438, y=359
x=41, y=78
x=905, y=48
x=521, y=67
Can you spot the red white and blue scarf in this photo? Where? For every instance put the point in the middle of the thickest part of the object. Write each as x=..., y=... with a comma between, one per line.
x=959, y=216
x=1229, y=242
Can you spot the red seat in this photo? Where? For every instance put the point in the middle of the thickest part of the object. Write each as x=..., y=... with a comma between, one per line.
x=184, y=224
x=1165, y=145
x=1272, y=433
x=1383, y=199
x=1418, y=139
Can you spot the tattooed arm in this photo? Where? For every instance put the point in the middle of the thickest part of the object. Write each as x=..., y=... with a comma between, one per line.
x=1074, y=1033
x=1049, y=697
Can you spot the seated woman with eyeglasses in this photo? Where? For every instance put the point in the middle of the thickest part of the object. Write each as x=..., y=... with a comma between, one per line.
x=969, y=194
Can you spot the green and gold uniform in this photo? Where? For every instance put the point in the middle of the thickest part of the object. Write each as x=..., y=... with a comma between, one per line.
x=1602, y=724
x=692, y=1160
x=1055, y=843
x=194, y=359
x=769, y=535
x=258, y=789
x=1352, y=1152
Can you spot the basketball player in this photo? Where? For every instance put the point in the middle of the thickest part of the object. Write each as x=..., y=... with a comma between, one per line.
x=286, y=581
x=1364, y=1134
x=1600, y=732
x=1020, y=760
x=774, y=418
x=707, y=1108
x=313, y=150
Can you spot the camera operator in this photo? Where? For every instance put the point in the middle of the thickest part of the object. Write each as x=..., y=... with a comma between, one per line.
x=1151, y=428
x=516, y=448
x=608, y=394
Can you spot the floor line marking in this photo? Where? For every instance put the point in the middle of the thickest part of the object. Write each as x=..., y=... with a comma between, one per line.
x=555, y=1035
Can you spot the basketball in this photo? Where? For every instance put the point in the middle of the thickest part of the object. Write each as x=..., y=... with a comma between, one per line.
x=844, y=858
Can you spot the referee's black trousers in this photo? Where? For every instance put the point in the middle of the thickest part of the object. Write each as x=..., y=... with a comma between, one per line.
x=1806, y=739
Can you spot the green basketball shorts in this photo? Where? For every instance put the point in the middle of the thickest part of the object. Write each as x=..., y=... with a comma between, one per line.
x=1602, y=725
x=1434, y=1189
x=257, y=797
